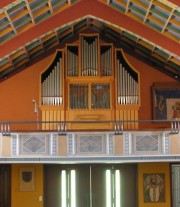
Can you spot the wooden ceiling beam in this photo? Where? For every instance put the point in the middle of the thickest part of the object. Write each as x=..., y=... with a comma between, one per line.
x=98, y=10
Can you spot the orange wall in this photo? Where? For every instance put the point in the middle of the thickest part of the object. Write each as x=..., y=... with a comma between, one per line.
x=154, y=168
x=23, y=198
x=18, y=91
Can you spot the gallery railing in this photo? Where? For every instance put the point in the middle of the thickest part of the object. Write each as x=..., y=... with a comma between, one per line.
x=27, y=142
x=7, y=127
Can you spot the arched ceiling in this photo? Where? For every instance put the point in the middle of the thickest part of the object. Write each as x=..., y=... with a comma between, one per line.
x=147, y=28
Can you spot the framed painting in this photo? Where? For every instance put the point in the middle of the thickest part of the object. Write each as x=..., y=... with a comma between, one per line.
x=26, y=179
x=154, y=188
x=166, y=101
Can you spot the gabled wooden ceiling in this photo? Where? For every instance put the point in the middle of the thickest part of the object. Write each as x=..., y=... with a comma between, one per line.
x=148, y=28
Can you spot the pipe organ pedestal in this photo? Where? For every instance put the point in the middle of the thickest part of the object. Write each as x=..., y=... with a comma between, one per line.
x=90, y=81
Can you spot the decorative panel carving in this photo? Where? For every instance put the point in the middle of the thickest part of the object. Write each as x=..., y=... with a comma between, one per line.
x=90, y=144
x=147, y=143
x=33, y=144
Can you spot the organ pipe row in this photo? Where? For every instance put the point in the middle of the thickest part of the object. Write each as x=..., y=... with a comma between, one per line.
x=72, y=63
x=89, y=61
x=127, y=86
x=106, y=62
x=52, y=86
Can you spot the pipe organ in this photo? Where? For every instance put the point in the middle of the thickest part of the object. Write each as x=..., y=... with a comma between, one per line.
x=90, y=80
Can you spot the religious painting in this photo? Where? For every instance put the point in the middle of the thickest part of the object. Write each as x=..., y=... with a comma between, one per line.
x=26, y=179
x=166, y=101
x=154, y=188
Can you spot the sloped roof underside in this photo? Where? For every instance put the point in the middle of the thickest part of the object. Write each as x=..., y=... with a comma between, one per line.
x=149, y=29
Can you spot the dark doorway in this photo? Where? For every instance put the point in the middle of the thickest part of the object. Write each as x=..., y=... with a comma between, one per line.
x=5, y=185
x=91, y=189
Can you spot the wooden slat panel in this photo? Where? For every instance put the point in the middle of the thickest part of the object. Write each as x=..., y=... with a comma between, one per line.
x=136, y=118
x=62, y=115
x=47, y=119
x=51, y=117
x=125, y=117
x=128, y=115
x=43, y=119
x=54, y=119
x=129, y=119
x=132, y=118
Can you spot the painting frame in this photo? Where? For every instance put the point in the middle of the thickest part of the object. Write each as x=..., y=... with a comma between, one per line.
x=154, y=187
x=166, y=101
x=26, y=179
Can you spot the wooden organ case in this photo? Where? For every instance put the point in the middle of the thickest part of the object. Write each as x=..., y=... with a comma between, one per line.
x=89, y=81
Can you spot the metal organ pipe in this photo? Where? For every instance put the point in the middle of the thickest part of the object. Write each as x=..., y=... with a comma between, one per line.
x=68, y=63
x=123, y=85
x=102, y=64
x=118, y=82
x=110, y=61
x=87, y=59
x=74, y=63
x=57, y=82
x=50, y=89
x=96, y=57
x=93, y=58
x=60, y=82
